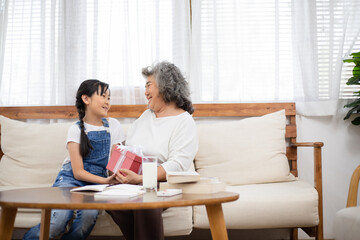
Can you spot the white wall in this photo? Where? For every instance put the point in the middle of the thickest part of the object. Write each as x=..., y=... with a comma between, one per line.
x=340, y=157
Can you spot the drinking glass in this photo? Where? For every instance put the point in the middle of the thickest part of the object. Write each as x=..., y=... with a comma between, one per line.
x=149, y=171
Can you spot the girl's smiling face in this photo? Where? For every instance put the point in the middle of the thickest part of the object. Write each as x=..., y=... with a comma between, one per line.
x=98, y=105
x=155, y=101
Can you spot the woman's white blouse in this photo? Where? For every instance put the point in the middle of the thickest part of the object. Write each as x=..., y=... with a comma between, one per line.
x=173, y=139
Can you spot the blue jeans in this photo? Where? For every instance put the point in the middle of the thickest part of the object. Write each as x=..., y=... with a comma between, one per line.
x=80, y=228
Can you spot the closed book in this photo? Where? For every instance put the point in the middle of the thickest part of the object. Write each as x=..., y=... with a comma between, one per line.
x=203, y=186
x=182, y=177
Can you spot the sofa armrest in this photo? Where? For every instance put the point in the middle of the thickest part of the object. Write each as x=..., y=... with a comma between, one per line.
x=317, y=178
x=317, y=161
x=353, y=188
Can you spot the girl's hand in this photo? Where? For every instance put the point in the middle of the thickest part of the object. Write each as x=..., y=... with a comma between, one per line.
x=128, y=176
x=112, y=179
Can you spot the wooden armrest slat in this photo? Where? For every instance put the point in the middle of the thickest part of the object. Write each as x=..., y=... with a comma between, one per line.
x=308, y=144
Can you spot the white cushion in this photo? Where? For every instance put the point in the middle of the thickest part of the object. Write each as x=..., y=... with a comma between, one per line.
x=347, y=224
x=270, y=205
x=247, y=151
x=33, y=153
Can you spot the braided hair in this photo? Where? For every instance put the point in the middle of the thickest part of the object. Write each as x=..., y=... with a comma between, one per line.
x=171, y=83
x=88, y=88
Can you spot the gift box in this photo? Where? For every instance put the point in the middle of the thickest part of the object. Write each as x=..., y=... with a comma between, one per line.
x=124, y=157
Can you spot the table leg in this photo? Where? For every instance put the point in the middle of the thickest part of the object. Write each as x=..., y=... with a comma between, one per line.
x=7, y=222
x=45, y=224
x=216, y=221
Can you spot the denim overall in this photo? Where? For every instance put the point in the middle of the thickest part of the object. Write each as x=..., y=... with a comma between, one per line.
x=84, y=220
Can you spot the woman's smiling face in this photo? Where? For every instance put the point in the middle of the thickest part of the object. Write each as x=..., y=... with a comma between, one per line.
x=155, y=101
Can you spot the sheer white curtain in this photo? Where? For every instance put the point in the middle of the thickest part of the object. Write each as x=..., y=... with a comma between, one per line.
x=271, y=50
x=52, y=46
x=241, y=50
x=325, y=32
x=3, y=24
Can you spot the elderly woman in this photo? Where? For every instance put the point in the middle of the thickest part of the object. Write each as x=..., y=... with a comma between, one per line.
x=166, y=130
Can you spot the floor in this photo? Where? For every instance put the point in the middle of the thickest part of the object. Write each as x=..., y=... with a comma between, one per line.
x=204, y=234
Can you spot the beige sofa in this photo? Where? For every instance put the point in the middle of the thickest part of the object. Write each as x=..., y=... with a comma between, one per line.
x=251, y=155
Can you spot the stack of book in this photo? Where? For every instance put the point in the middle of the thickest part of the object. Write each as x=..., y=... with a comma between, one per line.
x=192, y=182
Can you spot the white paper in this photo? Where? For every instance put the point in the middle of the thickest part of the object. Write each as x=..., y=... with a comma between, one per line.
x=95, y=188
x=120, y=191
x=169, y=192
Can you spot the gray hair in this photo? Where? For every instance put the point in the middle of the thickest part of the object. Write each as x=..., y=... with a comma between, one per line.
x=171, y=83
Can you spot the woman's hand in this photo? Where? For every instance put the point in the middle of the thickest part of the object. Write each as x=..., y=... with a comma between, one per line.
x=128, y=176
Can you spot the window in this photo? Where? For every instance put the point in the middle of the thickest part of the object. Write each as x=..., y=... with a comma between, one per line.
x=240, y=51
x=243, y=50
x=270, y=50
x=50, y=47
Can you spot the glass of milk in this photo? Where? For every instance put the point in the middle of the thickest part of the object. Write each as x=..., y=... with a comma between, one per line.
x=149, y=171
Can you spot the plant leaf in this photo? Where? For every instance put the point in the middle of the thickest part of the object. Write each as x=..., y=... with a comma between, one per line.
x=355, y=80
x=355, y=60
x=356, y=54
x=356, y=71
x=357, y=108
x=356, y=121
x=348, y=60
x=353, y=104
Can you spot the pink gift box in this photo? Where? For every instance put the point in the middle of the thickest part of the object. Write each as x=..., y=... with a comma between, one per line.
x=122, y=158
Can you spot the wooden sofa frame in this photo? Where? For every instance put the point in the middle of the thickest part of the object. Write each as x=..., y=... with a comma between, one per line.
x=353, y=188
x=209, y=110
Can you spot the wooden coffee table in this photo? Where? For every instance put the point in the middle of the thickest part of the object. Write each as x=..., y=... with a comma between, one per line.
x=61, y=198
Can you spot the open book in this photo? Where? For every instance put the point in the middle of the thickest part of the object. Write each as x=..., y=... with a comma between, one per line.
x=112, y=191
x=182, y=177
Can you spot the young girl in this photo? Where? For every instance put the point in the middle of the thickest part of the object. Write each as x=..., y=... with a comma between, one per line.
x=88, y=142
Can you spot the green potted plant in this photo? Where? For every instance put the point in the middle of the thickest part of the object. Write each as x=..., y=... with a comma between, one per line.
x=354, y=80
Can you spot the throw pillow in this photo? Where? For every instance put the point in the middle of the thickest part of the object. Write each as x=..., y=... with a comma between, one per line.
x=33, y=153
x=251, y=150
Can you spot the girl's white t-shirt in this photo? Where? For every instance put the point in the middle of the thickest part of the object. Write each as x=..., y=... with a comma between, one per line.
x=173, y=139
x=117, y=134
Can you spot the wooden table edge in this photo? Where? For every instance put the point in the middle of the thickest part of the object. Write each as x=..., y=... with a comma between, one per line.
x=123, y=206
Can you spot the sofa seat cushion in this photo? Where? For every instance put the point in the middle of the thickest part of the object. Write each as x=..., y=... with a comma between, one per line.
x=8, y=187
x=271, y=205
x=347, y=223
x=177, y=221
x=247, y=151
